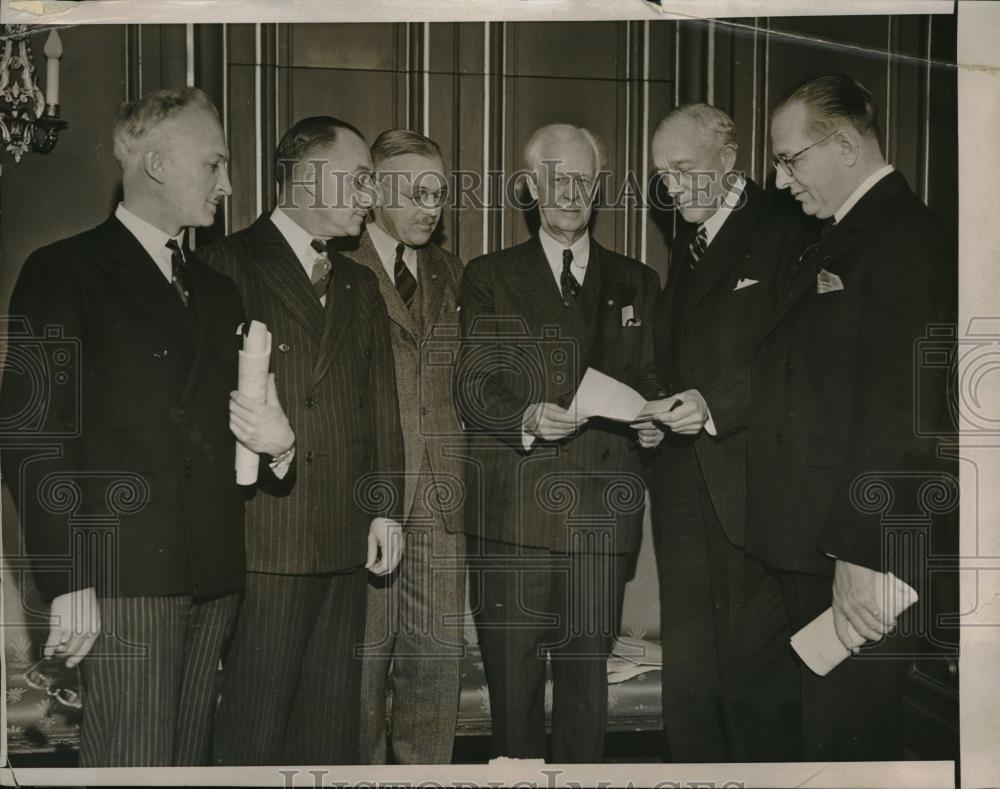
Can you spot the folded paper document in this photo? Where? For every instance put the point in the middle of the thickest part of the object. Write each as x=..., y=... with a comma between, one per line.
x=601, y=395
x=254, y=362
x=817, y=643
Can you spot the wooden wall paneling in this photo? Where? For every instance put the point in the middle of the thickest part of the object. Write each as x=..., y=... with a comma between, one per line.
x=209, y=75
x=242, y=116
x=904, y=114
x=495, y=63
x=691, y=60
x=467, y=111
x=635, y=86
x=737, y=80
x=267, y=112
x=661, y=96
x=445, y=116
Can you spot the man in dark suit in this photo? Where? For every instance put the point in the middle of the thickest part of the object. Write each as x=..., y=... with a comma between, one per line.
x=124, y=474
x=833, y=417
x=291, y=679
x=415, y=617
x=555, y=503
x=729, y=248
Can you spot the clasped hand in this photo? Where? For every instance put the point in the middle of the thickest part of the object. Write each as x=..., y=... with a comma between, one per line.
x=260, y=426
x=684, y=413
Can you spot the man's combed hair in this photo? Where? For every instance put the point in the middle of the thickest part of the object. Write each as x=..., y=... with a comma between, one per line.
x=555, y=134
x=136, y=121
x=304, y=138
x=711, y=120
x=833, y=99
x=400, y=142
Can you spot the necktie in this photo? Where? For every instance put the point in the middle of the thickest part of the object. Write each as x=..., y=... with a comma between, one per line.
x=178, y=271
x=809, y=253
x=406, y=284
x=697, y=246
x=570, y=287
x=320, y=275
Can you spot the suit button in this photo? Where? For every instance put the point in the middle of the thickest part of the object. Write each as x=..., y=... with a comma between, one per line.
x=309, y=457
x=177, y=414
x=310, y=402
x=605, y=454
x=284, y=347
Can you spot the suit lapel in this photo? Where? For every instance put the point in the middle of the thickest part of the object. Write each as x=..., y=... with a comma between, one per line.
x=537, y=286
x=280, y=270
x=208, y=334
x=339, y=314
x=434, y=279
x=614, y=294
x=367, y=255
x=128, y=264
x=832, y=252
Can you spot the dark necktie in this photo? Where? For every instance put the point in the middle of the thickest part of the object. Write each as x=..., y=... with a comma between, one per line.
x=178, y=271
x=320, y=276
x=570, y=287
x=697, y=246
x=810, y=252
x=406, y=283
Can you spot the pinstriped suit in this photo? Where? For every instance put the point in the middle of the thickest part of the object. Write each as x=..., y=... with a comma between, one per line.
x=304, y=610
x=414, y=616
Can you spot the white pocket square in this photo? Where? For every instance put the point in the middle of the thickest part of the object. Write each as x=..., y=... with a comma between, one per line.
x=827, y=282
x=745, y=283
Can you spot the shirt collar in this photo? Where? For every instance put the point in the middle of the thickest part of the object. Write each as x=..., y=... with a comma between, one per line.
x=861, y=191
x=152, y=239
x=730, y=201
x=385, y=245
x=297, y=237
x=554, y=249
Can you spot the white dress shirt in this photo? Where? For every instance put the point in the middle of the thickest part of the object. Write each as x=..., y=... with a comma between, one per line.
x=861, y=191
x=299, y=240
x=385, y=246
x=730, y=201
x=152, y=239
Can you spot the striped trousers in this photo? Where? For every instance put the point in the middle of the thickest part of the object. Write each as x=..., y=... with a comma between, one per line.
x=149, y=681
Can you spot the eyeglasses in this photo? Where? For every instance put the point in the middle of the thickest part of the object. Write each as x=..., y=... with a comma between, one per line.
x=787, y=163
x=37, y=679
x=423, y=198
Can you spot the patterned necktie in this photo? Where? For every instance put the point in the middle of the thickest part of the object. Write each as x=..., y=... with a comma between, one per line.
x=320, y=275
x=570, y=287
x=697, y=246
x=406, y=283
x=178, y=271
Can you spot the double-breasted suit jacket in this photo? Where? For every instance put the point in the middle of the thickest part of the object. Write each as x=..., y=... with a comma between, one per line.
x=334, y=373
x=521, y=345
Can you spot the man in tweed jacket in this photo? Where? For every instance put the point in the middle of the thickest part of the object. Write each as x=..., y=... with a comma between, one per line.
x=414, y=616
x=291, y=688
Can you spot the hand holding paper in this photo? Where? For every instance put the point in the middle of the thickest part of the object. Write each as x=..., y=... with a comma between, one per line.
x=820, y=646
x=252, y=390
x=603, y=396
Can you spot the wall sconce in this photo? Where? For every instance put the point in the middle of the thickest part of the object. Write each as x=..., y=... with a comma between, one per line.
x=29, y=119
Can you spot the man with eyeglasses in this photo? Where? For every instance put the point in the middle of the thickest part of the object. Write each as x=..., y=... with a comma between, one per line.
x=833, y=425
x=555, y=502
x=291, y=679
x=726, y=257
x=415, y=617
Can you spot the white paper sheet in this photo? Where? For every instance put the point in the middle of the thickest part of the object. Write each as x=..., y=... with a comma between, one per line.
x=601, y=395
x=254, y=362
x=817, y=643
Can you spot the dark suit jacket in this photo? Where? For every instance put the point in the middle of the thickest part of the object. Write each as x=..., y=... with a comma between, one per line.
x=719, y=327
x=522, y=346
x=425, y=346
x=124, y=473
x=835, y=386
x=334, y=374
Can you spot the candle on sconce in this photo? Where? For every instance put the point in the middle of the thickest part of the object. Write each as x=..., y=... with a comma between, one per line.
x=53, y=52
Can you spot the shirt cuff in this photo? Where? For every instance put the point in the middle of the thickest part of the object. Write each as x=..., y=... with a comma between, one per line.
x=280, y=465
x=527, y=440
x=710, y=423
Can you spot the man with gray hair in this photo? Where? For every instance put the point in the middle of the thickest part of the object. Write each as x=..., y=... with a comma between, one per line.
x=732, y=241
x=135, y=523
x=415, y=617
x=555, y=505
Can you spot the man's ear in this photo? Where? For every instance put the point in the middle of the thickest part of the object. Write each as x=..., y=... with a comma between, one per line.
x=531, y=183
x=849, y=144
x=728, y=157
x=153, y=164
